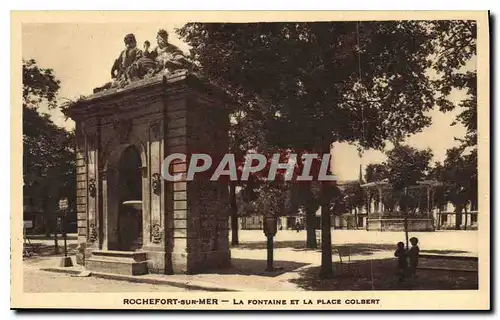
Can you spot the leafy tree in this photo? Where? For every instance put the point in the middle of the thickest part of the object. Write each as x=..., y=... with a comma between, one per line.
x=376, y=172
x=455, y=48
x=407, y=165
x=49, y=161
x=316, y=83
x=40, y=86
x=454, y=65
x=354, y=199
x=460, y=175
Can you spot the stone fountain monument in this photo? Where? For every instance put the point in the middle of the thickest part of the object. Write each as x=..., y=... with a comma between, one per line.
x=130, y=220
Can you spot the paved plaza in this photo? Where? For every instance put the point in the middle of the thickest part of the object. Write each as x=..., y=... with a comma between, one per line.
x=372, y=252
x=36, y=281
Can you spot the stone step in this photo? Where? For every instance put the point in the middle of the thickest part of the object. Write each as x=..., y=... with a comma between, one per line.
x=116, y=259
x=118, y=266
x=133, y=256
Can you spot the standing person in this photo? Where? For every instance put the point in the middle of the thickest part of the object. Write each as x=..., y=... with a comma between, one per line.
x=413, y=254
x=402, y=265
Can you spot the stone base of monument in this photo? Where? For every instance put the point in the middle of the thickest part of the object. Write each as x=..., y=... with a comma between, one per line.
x=398, y=224
x=199, y=262
x=66, y=262
x=117, y=262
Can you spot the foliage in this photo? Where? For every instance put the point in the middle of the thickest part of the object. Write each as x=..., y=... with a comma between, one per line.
x=455, y=49
x=407, y=165
x=39, y=86
x=459, y=171
x=376, y=172
x=49, y=161
x=307, y=77
x=353, y=196
x=454, y=65
x=273, y=199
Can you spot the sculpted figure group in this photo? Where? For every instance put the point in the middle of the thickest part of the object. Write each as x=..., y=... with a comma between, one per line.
x=134, y=64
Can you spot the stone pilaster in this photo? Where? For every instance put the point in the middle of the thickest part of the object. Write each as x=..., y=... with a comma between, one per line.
x=81, y=195
x=154, y=199
x=92, y=185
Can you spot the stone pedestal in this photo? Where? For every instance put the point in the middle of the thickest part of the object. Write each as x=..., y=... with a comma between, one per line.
x=185, y=224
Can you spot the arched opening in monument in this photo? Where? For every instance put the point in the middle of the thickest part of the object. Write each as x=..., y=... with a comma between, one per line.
x=130, y=200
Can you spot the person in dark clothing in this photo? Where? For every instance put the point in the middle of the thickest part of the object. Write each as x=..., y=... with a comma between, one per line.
x=413, y=254
x=402, y=265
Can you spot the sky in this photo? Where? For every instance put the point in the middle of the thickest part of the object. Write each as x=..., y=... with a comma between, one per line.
x=82, y=55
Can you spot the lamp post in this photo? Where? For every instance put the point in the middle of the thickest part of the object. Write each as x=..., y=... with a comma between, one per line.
x=63, y=207
x=270, y=229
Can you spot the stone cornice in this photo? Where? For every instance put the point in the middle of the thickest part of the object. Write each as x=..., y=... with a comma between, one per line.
x=141, y=92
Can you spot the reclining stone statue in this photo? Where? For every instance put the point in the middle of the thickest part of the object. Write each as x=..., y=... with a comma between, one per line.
x=134, y=64
x=168, y=57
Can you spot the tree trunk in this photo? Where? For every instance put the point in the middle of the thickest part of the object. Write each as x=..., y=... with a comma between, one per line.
x=326, y=270
x=369, y=205
x=439, y=219
x=406, y=219
x=56, y=244
x=465, y=223
x=234, y=215
x=311, y=228
x=47, y=226
x=356, y=218
x=47, y=219
x=458, y=216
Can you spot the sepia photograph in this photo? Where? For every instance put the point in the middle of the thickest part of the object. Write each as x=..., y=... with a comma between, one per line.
x=253, y=161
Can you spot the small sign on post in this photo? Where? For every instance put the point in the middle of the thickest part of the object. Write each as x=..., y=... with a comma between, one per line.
x=28, y=224
x=63, y=205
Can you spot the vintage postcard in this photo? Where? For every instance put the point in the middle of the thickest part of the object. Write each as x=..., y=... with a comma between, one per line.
x=251, y=160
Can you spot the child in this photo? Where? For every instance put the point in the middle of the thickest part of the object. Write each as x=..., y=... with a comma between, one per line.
x=413, y=254
x=402, y=266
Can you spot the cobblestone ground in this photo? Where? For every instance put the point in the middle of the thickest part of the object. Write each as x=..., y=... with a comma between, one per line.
x=42, y=281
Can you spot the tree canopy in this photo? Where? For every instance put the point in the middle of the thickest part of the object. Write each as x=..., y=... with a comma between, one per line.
x=456, y=48
x=322, y=82
x=49, y=161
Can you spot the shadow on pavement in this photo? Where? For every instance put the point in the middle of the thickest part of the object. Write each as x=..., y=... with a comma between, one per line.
x=43, y=250
x=443, y=251
x=257, y=267
x=380, y=275
x=35, y=237
x=356, y=248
